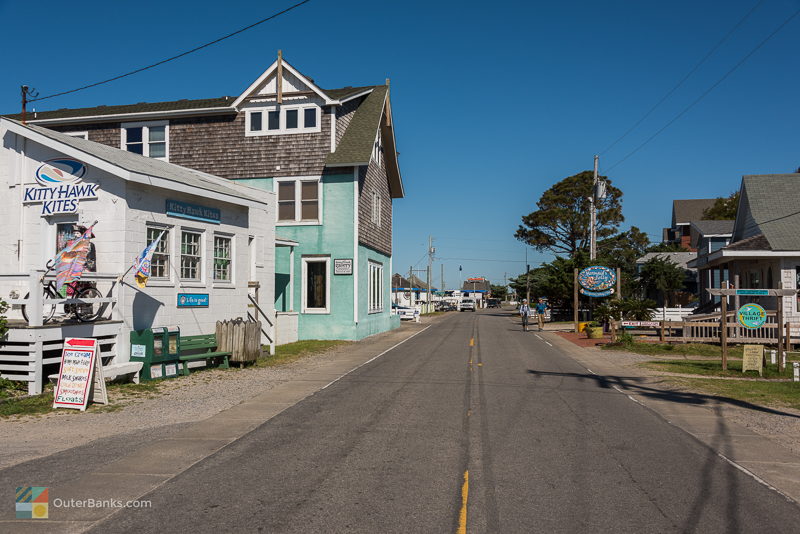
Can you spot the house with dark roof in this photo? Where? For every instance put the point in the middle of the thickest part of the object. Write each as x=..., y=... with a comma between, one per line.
x=328, y=154
x=684, y=212
x=708, y=237
x=764, y=249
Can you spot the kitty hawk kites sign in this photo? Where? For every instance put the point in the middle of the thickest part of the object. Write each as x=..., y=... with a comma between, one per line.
x=59, y=187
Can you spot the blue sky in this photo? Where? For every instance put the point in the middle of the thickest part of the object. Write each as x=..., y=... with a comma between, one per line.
x=493, y=102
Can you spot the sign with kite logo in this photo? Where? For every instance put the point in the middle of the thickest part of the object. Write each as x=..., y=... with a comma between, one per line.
x=59, y=187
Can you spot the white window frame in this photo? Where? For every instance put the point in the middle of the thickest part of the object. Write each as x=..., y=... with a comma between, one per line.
x=305, y=260
x=377, y=149
x=298, y=201
x=282, y=129
x=376, y=208
x=170, y=257
x=375, y=287
x=202, y=255
x=145, y=126
x=231, y=271
x=80, y=135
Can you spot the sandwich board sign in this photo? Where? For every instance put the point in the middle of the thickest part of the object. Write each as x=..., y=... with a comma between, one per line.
x=80, y=376
x=753, y=359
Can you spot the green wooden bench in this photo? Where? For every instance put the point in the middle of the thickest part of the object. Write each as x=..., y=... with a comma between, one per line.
x=203, y=347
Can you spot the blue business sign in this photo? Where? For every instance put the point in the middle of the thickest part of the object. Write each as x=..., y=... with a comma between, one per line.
x=597, y=281
x=195, y=212
x=193, y=300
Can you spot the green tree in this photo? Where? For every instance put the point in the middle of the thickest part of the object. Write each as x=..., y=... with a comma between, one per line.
x=622, y=251
x=561, y=222
x=724, y=208
x=499, y=292
x=666, y=247
x=553, y=280
x=662, y=275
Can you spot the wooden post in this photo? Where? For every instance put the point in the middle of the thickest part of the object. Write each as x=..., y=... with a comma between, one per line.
x=575, y=300
x=619, y=283
x=279, y=78
x=788, y=336
x=780, y=333
x=613, y=331
x=723, y=332
x=661, y=334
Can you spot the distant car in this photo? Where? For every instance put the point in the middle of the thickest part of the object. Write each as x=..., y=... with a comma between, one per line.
x=492, y=303
x=406, y=313
x=466, y=304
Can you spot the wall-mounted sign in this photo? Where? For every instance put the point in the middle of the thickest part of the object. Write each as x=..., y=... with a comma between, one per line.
x=597, y=281
x=60, y=187
x=343, y=266
x=195, y=212
x=193, y=300
x=751, y=316
x=641, y=324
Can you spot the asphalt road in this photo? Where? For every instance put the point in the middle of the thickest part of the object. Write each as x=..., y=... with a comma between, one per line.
x=472, y=423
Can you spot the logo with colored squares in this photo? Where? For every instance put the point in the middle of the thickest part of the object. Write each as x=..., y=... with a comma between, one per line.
x=32, y=502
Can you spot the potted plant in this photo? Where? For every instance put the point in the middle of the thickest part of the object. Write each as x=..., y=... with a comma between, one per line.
x=594, y=330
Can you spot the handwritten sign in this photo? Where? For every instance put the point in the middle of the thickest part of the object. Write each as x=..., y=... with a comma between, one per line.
x=753, y=359
x=79, y=367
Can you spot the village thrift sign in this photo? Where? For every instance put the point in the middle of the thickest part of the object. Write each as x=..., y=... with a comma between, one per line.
x=751, y=316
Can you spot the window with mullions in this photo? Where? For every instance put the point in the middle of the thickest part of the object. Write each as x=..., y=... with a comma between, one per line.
x=283, y=120
x=375, y=296
x=147, y=139
x=191, y=255
x=298, y=200
x=159, y=264
x=223, y=258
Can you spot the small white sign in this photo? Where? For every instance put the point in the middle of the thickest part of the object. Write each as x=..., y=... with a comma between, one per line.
x=343, y=266
x=155, y=371
x=171, y=369
x=138, y=351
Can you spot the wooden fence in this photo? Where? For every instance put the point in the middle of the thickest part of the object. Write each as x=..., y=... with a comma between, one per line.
x=241, y=338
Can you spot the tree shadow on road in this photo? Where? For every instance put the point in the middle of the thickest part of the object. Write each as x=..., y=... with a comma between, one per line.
x=635, y=385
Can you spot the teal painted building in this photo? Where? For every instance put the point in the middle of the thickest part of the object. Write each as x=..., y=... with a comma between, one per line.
x=333, y=256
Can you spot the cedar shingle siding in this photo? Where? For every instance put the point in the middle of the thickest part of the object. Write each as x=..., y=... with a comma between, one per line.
x=218, y=145
x=373, y=178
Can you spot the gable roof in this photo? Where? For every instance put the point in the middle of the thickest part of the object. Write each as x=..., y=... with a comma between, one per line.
x=714, y=227
x=261, y=80
x=688, y=210
x=678, y=258
x=772, y=209
x=477, y=285
x=137, y=168
x=756, y=242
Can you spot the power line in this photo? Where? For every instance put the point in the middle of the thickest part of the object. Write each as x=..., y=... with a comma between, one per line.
x=707, y=91
x=686, y=77
x=237, y=32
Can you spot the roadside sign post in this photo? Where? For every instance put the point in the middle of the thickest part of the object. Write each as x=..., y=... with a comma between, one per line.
x=723, y=333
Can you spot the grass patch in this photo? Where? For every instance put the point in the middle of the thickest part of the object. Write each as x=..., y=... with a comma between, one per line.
x=681, y=349
x=294, y=351
x=433, y=314
x=12, y=388
x=713, y=368
x=772, y=394
x=27, y=406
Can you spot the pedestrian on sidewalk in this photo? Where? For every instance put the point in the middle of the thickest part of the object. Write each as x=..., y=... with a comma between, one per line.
x=541, y=308
x=524, y=312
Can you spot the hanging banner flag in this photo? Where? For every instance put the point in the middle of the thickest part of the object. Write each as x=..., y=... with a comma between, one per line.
x=142, y=263
x=70, y=262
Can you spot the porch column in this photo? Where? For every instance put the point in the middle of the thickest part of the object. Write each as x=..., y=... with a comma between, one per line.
x=291, y=279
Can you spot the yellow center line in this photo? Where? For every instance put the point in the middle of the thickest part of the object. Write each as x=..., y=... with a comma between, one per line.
x=462, y=517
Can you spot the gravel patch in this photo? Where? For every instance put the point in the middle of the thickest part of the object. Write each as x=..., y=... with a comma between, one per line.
x=180, y=400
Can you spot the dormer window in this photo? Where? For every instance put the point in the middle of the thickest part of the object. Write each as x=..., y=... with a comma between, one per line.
x=279, y=120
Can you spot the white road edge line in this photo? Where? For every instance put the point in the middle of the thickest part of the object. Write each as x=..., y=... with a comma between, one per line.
x=378, y=356
x=549, y=343
x=537, y=335
x=590, y=371
x=756, y=477
x=733, y=463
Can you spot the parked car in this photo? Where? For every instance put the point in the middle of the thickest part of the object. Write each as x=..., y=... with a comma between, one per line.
x=466, y=304
x=492, y=303
x=406, y=313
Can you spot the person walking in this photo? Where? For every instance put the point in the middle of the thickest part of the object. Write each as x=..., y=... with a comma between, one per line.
x=541, y=308
x=524, y=312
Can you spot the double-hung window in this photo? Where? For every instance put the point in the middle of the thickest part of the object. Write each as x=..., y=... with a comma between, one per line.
x=375, y=287
x=191, y=255
x=223, y=258
x=277, y=120
x=298, y=201
x=376, y=208
x=149, y=139
x=159, y=264
x=316, y=286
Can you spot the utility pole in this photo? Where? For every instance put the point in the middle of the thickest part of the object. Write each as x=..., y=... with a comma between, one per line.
x=527, y=278
x=410, y=289
x=443, y=286
x=593, y=213
x=430, y=266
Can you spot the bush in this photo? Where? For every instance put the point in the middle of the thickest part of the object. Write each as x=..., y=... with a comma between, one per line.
x=630, y=309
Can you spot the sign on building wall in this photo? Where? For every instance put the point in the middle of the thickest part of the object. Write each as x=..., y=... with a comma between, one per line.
x=59, y=187
x=193, y=300
x=195, y=212
x=343, y=266
x=597, y=281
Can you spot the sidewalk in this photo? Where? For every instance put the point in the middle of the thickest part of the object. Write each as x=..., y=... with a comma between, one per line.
x=128, y=465
x=761, y=441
